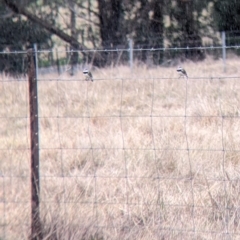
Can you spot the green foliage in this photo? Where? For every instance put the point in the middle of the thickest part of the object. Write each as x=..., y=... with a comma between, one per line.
x=227, y=15
x=108, y=24
x=19, y=35
x=188, y=25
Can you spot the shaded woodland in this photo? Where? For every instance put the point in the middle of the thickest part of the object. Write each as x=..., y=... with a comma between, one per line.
x=85, y=25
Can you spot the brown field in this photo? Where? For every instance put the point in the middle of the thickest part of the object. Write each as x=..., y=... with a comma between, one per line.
x=133, y=155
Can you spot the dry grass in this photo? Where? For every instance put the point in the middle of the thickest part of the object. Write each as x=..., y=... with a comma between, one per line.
x=127, y=156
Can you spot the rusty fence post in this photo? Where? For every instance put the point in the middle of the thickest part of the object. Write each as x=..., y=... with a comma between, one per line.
x=36, y=233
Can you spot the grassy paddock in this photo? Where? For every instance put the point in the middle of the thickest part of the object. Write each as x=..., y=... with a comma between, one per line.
x=139, y=155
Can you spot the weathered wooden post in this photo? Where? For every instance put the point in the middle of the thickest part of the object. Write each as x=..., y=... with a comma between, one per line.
x=36, y=233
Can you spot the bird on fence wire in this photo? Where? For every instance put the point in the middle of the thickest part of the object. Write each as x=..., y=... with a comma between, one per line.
x=88, y=75
x=182, y=72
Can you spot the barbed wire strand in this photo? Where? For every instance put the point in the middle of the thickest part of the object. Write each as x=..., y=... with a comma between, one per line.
x=61, y=79
x=127, y=116
x=127, y=49
x=126, y=148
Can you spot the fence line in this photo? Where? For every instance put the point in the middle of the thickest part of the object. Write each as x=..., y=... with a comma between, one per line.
x=132, y=52
x=142, y=159
x=127, y=79
x=128, y=49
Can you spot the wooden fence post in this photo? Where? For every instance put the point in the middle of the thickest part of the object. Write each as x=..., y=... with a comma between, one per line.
x=36, y=233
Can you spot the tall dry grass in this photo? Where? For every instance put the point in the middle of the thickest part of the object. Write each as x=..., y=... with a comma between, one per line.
x=133, y=155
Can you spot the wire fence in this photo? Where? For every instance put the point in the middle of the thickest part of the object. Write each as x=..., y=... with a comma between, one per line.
x=136, y=154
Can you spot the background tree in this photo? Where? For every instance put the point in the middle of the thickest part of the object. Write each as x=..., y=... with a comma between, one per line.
x=145, y=25
x=18, y=34
x=184, y=30
x=111, y=26
x=227, y=15
x=73, y=27
x=157, y=28
x=19, y=8
x=227, y=18
x=107, y=24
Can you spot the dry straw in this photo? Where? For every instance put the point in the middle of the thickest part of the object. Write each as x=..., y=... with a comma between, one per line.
x=132, y=155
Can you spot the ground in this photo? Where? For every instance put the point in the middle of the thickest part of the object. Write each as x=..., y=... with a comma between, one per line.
x=136, y=154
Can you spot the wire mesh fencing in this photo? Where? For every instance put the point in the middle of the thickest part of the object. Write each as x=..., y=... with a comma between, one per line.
x=139, y=153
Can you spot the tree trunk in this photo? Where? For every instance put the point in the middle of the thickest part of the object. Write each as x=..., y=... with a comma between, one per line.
x=111, y=27
x=157, y=30
x=19, y=9
x=191, y=36
x=74, y=54
x=142, y=36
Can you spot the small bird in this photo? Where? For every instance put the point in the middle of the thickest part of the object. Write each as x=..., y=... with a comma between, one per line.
x=182, y=72
x=88, y=75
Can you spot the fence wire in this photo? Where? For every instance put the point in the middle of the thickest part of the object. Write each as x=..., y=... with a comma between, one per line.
x=136, y=154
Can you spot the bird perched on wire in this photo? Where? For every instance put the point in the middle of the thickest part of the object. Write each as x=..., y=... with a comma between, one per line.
x=182, y=72
x=88, y=74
